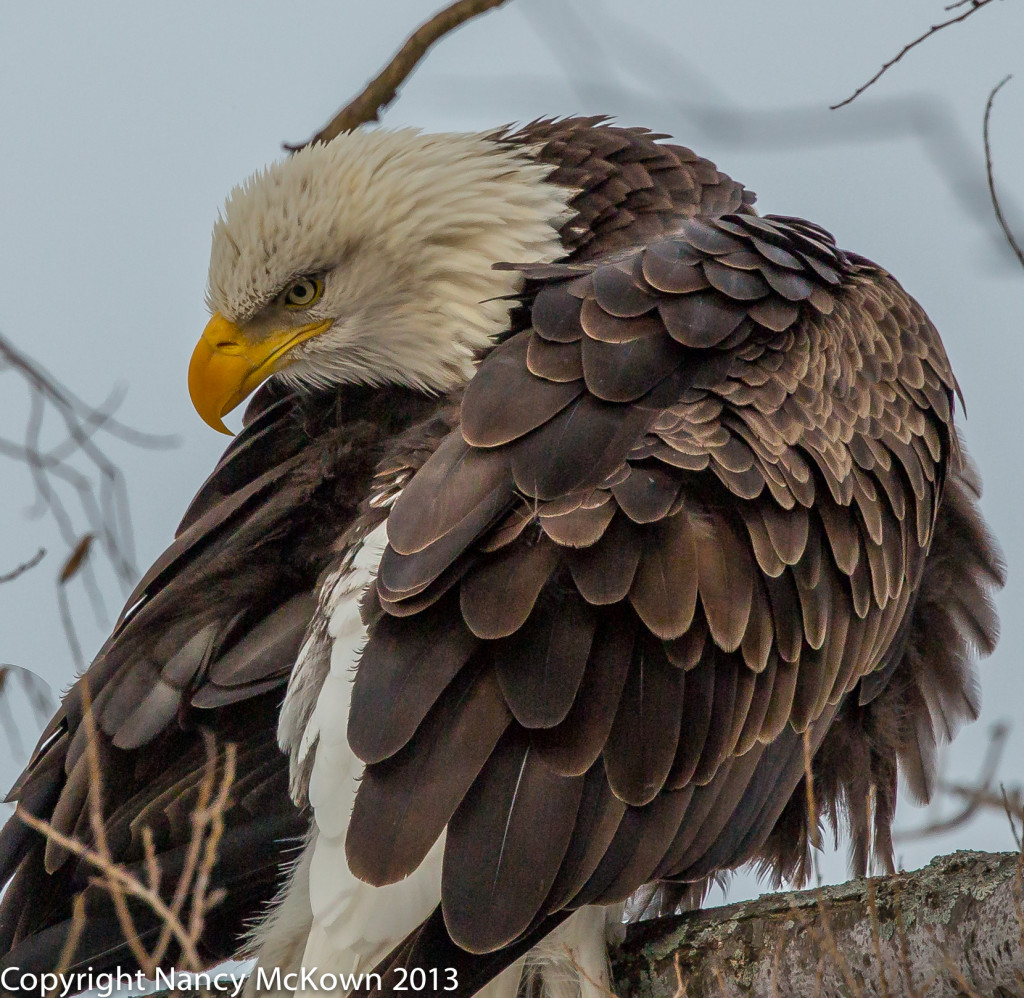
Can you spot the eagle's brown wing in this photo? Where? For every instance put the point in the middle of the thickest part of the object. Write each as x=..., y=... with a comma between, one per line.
x=207, y=640
x=687, y=513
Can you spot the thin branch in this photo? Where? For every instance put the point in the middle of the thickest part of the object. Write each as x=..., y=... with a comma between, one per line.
x=1011, y=814
x=24, y=567
x=996, y=206
x=876, y=941
x=812, y=805
x=99, y=487
x=383, y=89
x=47, y=385
x=67, y=622
x=975, y=5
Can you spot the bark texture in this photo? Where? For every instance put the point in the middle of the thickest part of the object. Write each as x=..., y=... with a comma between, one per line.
x=954, y=928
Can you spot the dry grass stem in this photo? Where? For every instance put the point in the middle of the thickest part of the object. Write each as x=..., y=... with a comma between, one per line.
x=812, y=804
x=826, y=941
x=780, y=947
x=966, y=990
x=1018, y=877
x=575, y=964
x=67, y=952
x=119, y=882
x=213, y=796
x=716, y=969
x=680, y=984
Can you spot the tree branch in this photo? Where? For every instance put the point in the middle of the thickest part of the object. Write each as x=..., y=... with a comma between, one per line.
x=383, y=89
x=996, y=206
x=975, y=5
x=952, y=929
x=24, y=567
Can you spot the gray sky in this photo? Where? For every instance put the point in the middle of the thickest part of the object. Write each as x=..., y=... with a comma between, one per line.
x=123, y=126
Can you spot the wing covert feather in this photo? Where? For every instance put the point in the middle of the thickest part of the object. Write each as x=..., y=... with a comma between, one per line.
x=714, y=515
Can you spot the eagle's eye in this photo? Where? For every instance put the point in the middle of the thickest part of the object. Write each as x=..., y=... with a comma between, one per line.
x=304, y=292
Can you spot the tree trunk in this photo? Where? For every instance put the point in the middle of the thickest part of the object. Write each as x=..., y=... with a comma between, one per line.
x=954, y=928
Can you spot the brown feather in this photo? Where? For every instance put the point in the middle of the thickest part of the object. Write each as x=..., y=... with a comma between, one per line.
x=701, y=319
x=486, y=893
x=405, y=667
x=699, y=692
x=498, y=595
x=664, y=590
x=554, y=361
x=573, y=746
x=724, y=572
x=624, y=371
x=597, y=820
x=604, y=572
x=642, y=741
x=619, y=290
x=540, y=667
x=406, y=801
x=670, y=268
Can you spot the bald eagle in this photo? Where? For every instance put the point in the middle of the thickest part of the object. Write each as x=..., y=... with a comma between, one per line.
x=577, y=506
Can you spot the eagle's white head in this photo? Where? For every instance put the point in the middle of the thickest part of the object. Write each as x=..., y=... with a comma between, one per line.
x=370, y=260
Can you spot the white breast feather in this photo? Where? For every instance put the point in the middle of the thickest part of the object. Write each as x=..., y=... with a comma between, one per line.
x=354, y=924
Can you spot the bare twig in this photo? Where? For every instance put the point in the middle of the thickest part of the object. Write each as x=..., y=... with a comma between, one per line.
x=112, y=881
x=383, y=89
x=67, y=623
x=996, y=206
x=24, y=567
x=596, y=985
x=119, y=882
x=194, y=881
x=74, y=461
x=975, y=5
x=1012, y=813
x=680, y=991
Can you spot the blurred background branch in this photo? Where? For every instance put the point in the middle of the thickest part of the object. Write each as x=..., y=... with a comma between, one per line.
x=84, y=493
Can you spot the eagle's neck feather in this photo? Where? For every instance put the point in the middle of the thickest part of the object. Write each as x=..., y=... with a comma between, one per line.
x=407, y=228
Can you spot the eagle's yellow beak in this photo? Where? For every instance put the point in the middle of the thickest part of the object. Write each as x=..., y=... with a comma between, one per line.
x=227, y=367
